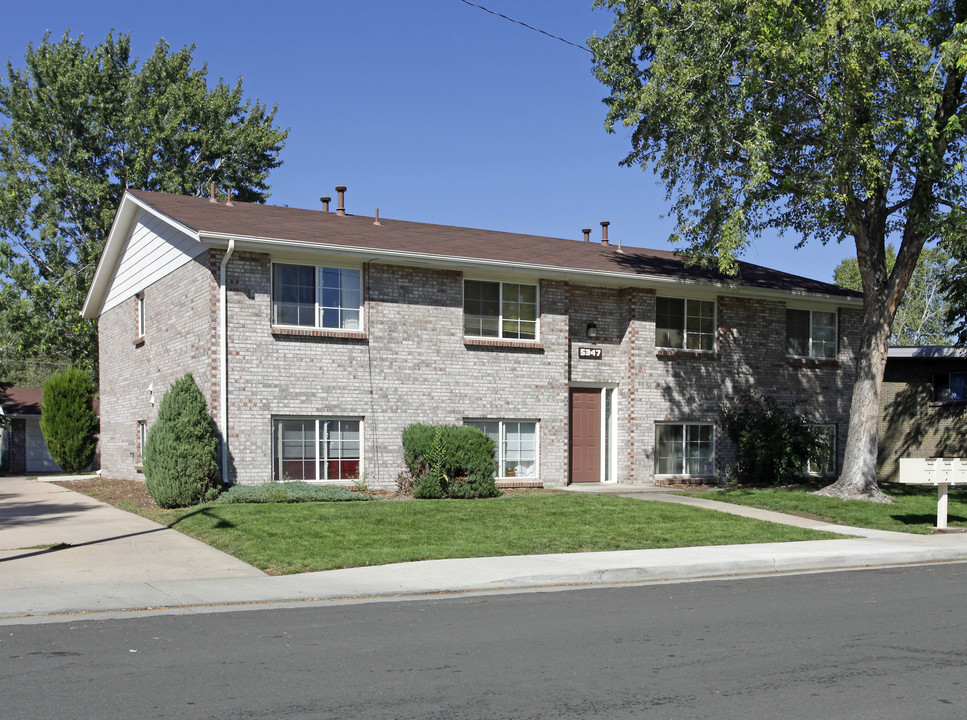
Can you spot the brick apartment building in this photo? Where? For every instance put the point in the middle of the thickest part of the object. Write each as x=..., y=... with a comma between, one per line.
x=317, y=336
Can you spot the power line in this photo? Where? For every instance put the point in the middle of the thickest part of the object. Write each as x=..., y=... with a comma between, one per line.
x=529, y=27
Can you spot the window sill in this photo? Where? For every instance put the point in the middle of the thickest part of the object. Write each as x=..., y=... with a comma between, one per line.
x=499, y=343
x=812, y=362
x=665, y=353
x=944, y=403
x=318, y=333
x=514, y=482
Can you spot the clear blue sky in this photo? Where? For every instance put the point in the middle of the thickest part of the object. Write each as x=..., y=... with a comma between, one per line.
x=430, y=110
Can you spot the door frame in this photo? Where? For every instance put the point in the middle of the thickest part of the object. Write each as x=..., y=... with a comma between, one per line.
x=607, y=431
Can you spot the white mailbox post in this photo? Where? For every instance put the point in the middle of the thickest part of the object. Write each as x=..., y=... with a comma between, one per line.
x=942, y=472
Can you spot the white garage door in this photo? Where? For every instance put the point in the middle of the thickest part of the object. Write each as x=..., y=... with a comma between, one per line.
x=38, y=457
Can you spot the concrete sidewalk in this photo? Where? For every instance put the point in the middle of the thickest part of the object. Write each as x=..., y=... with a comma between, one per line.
x=181, y=575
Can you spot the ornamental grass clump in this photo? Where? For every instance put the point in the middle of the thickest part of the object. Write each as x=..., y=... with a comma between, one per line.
x=68, y=421
x=180, y=455
x=450, y=461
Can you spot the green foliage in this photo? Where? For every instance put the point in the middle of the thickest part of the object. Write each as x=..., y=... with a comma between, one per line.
x=289, y=492
x=453, y=461
x=81, y=125
x=68, y=421
x=923, y=315
x=180, y=455
x=773, y=444
x=827, y=120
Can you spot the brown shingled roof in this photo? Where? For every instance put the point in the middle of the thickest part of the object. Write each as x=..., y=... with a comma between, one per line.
x=21, y=400
x=316, y=226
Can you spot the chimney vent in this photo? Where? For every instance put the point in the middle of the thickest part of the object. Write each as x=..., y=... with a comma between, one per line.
x=587, y=234
x=604, y=232
x=341, y=200
x=325, y=200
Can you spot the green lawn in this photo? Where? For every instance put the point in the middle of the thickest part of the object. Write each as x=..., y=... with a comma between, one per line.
x=914, y=509
x=291, y=538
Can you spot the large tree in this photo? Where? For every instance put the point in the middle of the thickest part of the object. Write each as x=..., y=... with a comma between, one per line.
x=923, y=315
x=79, y=126
x=832, y=120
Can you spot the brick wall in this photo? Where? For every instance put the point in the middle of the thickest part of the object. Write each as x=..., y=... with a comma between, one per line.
x=409, y=362
x=178, y=338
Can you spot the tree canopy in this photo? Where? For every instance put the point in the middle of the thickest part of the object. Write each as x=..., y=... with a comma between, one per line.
x=79, y=126
x=828, y=120
x=923, y=315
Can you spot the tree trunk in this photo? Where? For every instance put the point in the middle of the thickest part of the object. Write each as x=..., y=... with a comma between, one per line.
x=858, y=479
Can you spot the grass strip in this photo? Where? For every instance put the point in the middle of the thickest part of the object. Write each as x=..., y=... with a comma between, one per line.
x=292, y=538
x=914, y=509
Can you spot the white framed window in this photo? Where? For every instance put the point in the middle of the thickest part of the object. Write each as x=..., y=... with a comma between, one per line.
x=500, y=310
x=140, y=301
x=142, y=439
x=516, y=443
x=826, y=463
x=315, y=296
x=950, y=387
x=316, y=448
x=684, y=324
x=684, y=449
x=810, y=333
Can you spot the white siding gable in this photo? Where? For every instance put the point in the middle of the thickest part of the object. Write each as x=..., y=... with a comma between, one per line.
x=152, y=249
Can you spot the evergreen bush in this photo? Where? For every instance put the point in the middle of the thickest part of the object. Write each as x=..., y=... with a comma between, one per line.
x=773, y=444
x=181, y=452
x=452, y=461
x=67, y=419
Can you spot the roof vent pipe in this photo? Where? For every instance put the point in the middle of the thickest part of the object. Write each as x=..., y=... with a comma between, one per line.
x=325, y=200
x=604, y=232
x=587, y=234
x=211, y=193
x=341, y=200
x=376, y=221
x=229, y=200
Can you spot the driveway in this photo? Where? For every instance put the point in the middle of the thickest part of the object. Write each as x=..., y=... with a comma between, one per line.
x=52, y=536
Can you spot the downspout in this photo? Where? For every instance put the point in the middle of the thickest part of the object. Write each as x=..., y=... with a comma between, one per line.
x=223, y=349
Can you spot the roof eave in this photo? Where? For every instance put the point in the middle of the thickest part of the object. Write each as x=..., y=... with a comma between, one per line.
x=617, y=279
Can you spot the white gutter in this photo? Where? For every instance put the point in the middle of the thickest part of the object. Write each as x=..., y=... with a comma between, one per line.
x=223, y=364
x=262, y=244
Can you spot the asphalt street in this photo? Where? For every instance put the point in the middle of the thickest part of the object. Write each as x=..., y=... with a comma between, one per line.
x=885, y=643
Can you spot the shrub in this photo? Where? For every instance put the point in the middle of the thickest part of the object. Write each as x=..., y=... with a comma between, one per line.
x=453, y=461
x=289, y=492
x=180, y=455
x=773, y=444
x=67, y=419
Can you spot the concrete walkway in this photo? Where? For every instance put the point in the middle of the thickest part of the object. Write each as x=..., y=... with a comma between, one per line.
x=118, y=563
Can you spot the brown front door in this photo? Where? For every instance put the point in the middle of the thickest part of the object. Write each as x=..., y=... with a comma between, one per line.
x=585, y=435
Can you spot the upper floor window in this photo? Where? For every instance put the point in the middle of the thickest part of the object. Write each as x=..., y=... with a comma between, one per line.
x=499, y=310
x=810, y=333
x=323, y=297
x=950, y=387
x=684, y=324
x=140, y=300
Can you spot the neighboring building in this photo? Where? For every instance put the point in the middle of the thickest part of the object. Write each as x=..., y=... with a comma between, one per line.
x=24, y=450
x=328, y=333
x=923, y=406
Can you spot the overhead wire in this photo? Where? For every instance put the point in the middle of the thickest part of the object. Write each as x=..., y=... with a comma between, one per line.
x=529, y=27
